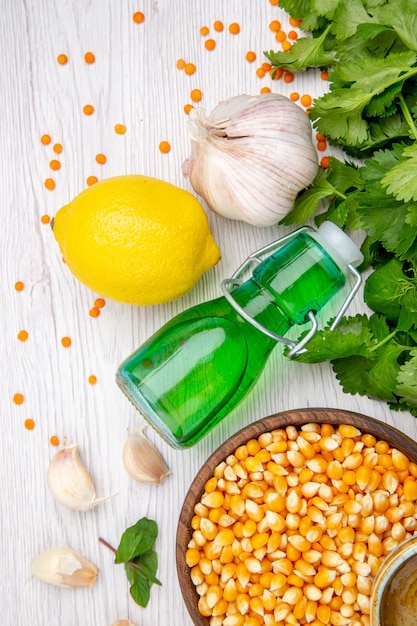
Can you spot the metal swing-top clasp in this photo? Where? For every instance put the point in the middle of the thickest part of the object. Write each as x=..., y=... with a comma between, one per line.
x=255, y=259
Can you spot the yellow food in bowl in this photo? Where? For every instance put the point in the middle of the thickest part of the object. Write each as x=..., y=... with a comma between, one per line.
x=294, y=525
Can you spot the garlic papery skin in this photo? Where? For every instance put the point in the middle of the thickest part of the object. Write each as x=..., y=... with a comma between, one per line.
x=63, y=567
x=69, y=482
x=251, y=157
x=142, y=460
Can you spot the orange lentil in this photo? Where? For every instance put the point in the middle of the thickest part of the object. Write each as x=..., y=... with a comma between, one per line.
x=92, y=379
x=276, y=73
x=288, y=77
x=120, y=129
x=54, y=164
x=180, y=64
x=324, y=75
x=274, y=2
x=101, y=158
x=89, y=57
x=62, y=59
x=138, y=17
x=23, y=335
x=218, y=26
x=294, y=96
x=234, y=29
x=99, y=303
x=294, y=22
x=266, y=66
x=45, y=219
x=260, y=72
x=66, y=342
x=88, y=109
x=210, y=44
x=320, y=137
x=49, y=184
x=187, y=108
x=190, y=69
x=19, y=286
x=94, y=312
x=165, y=147
x=265, y=90
x=275, y=26
x=306, y=100
x=321, y=146
x=280, y=35
x=196, y=95
x=250, y=56
x=292, y=35
x=204, y=30
x=54, y=440
x=57, y=148
x=45, y=140
x=91, y=180
x=29, y=423
x=286, y=45
x=18, y=398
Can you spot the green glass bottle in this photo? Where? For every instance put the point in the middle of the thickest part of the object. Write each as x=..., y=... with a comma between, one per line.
x=193, y=371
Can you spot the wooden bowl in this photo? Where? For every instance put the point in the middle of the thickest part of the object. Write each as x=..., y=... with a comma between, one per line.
x=280, y=420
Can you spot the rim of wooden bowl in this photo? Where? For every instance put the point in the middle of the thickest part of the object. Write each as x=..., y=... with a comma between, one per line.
x=296, y=417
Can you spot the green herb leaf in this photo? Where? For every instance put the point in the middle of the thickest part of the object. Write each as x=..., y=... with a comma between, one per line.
x=306, y=52
x=401, y=180
x=402, y=16
x=137, y=540
x=407, y=380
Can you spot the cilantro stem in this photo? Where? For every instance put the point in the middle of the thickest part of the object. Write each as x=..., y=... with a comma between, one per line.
x=407, y=115
x=385, y=340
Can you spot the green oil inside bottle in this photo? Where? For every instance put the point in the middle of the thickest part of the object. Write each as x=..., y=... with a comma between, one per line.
x=199, y=366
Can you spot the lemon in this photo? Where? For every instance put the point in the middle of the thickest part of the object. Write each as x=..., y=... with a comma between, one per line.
x=136, y=239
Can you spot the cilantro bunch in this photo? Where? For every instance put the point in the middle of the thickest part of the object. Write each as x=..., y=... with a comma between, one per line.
x=370, y=49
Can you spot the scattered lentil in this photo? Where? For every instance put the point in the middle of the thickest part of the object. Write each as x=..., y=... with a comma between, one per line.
x=180, y=64
x=275, y=26
x=45, y=219
x=99, y=303
x=94, y=311
x=288, y=77
x=204, y=30
x=91, y=180
x=62, y=59
x=210, y=44
x=294, y=96
x=92, y=379
x=234, y=28
x=120, y=129
x=101, y=158
x=45, y=140
x=57, y=148
x=187, y=108
x=196, y=95
x=190, y=69
x=54, y=164
x=49, y=184
x=324, y=75
x=138, y=17
x=164, y=147
x=265, y=90
x=29, y=423
x=89, y=57
x=18, y=398
x=286, y=45
x=88, y=109
x=23, y=335
x=292, y=34
x=294, y=22
x=250, y=56
x=19, y=285
x=66, y=342
x=54, y=440
x=306, y=100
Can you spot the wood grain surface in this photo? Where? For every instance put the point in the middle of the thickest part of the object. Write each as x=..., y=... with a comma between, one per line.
x=134, y=81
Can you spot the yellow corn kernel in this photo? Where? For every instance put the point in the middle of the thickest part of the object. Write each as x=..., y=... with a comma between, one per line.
x=295, y=581
x=381, y=447
x=237, y=505
x=394, y=514
x=235, y=619
x=199, y=538
x=213, y=500
x=299, y=542
x=292, y=596
x=283, y=566
x=334, y=521
x=399, y=460
x=253, y=465
x=219, y=609
x=408, y=508
x=303, y=569
x=249, y=528
x=227, y=555
x=337, y=619
x=293, y=501
x=282, y=611
x=390, y=481
x=253, y=565
x=252, y=490
x=346, y=534
x=203, y=607
x=192, y=557
x=211, y=484
x=347, y=430
x=227, y=572
x=323, y=613
x=208, y=528
x=214, y=594
x=312, y=556
x=306, y=448
x=230, y=591
x=242, y=575
x=253, y=510
x=196, y=575
x=299, y=609
x=398, y=532
x=242, y=603
x=259, y=540
x=382, y=523
x=312, y=592
x=277, y=582
x=275, y=521
x=324, y=578
x=293, y=554
x=331, y=559
x=256, y=605
x=304, y=525
x=374, y=480
x=335, y=470
x=318, y=465
x=201, y=510
x=212, y=550
x=375, y=545
x=224, y=538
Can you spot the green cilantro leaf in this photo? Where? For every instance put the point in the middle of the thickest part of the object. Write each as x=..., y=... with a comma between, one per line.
x=401, y=180
x=386, y=288
x=306, y=52
x=402, y=16
x=347, y=18
x=407, y=380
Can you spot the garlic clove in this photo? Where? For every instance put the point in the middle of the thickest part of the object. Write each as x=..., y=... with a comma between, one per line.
x=142, y=460
x=251, y=156
x=63, y=567
x=69, y=482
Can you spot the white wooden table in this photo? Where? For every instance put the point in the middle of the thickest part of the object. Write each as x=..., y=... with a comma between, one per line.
x=134, y=81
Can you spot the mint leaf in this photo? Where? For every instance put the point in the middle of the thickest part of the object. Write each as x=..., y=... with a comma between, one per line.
x=137, y=540
x=140, y=589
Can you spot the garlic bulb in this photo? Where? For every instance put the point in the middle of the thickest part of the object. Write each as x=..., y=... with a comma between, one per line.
x=142, y=460
x=69, y=482
x=251, y=157
x=63, y=567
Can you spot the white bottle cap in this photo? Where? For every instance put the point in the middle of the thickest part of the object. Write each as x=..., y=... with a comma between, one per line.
x=338, y=244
